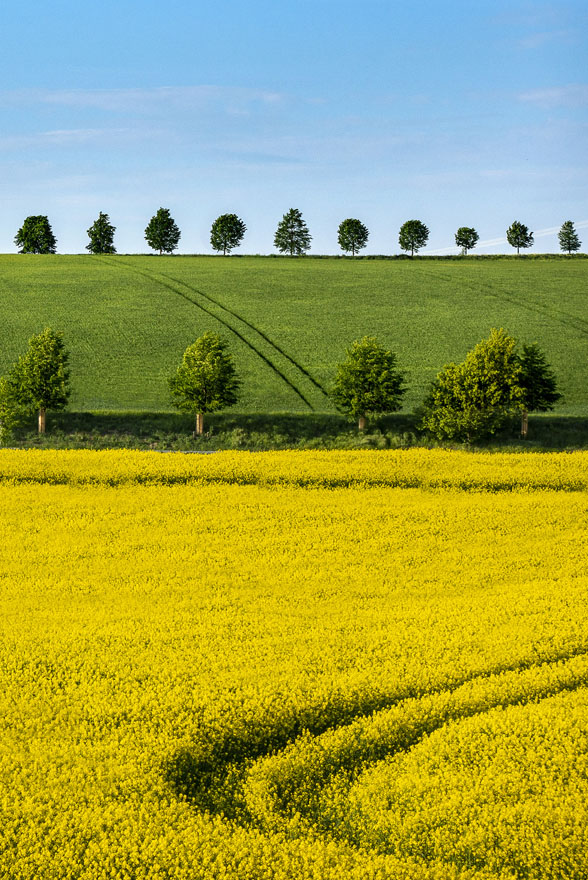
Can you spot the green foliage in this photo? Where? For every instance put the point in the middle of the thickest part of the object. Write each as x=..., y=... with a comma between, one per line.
x=568, y=237
x=292, y=234
x=40, y=378
x=126, y=328
x=519, y=236
x=101, y=234
x=10, y=412
x=227, y=233
x=413, y=236
x=466, y=238
x=474, y=399
x=537, y=380
x=206, y=380
x=368, y=382
x=353, y=236
x=35, y=236
x=162, y=234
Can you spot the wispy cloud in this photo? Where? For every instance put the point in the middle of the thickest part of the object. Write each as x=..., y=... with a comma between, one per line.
x=572, y=95
x=542, y=38
x=70, y=137
x=231, y=99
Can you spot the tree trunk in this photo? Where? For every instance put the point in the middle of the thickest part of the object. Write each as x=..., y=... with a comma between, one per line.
x=42, y=420
x=524, y=424
x=362, y=423
x=199, y=425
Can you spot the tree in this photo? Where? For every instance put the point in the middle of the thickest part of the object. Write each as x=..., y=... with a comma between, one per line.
x=162, y=233
x=368, y=382
x=35, y=236
x=519, y=236
x=472, y=400
x=101, y=234
x=40, y=379
x=292, y=234
x=568, y=237
x=353, y=236
x=466, y=238
x=227, y=233
x=413, y=236
x=206, y=380
x=538, y=383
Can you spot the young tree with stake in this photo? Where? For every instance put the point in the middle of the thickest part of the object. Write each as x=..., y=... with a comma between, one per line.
x=466, y=238
x=206, y=380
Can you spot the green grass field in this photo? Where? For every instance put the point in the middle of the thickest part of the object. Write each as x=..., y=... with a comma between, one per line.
x=128, y=319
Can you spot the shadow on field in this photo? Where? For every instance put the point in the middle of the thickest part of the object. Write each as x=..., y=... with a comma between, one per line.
x=257, y=432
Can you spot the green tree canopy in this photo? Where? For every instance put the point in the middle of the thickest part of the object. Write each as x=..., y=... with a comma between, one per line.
x=39, y=380
x=352, y=236
x=162, y=233
x=538, y=383
x=368, y=382
x=568, y=237
x=472, y=400
x=35, y=236
x=227, y=233
x=466, y=238
x=101, y=234
x=292, y=235
x=206, y=380
x=413, y=236
x=9, y=411
x=519, y=236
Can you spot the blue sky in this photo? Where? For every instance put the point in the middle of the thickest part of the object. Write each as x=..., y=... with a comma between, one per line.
x=455, y=113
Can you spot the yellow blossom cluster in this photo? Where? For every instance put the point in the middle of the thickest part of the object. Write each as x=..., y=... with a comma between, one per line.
x=321, y=666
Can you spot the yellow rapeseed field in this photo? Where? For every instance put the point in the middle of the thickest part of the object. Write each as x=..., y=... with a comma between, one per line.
x=294, y=666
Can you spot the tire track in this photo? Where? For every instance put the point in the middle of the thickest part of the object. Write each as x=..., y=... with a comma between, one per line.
x=578, y=324
x=173, y=285
x=206, y=772
x=255, y=329
x=295, y=784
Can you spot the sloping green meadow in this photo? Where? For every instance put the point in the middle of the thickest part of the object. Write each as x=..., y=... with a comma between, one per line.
x=127, y=320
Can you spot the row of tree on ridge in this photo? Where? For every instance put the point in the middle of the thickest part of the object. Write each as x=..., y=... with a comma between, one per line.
x=466, y=402
x=292, y=235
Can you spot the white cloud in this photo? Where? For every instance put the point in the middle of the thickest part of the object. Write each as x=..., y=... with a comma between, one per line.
x=71, y=137
x=539, y=39
x=232, y=99
x=558, y=96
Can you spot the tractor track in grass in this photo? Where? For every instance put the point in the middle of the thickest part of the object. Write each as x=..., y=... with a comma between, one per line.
x=570, y=321
x=174, y=285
